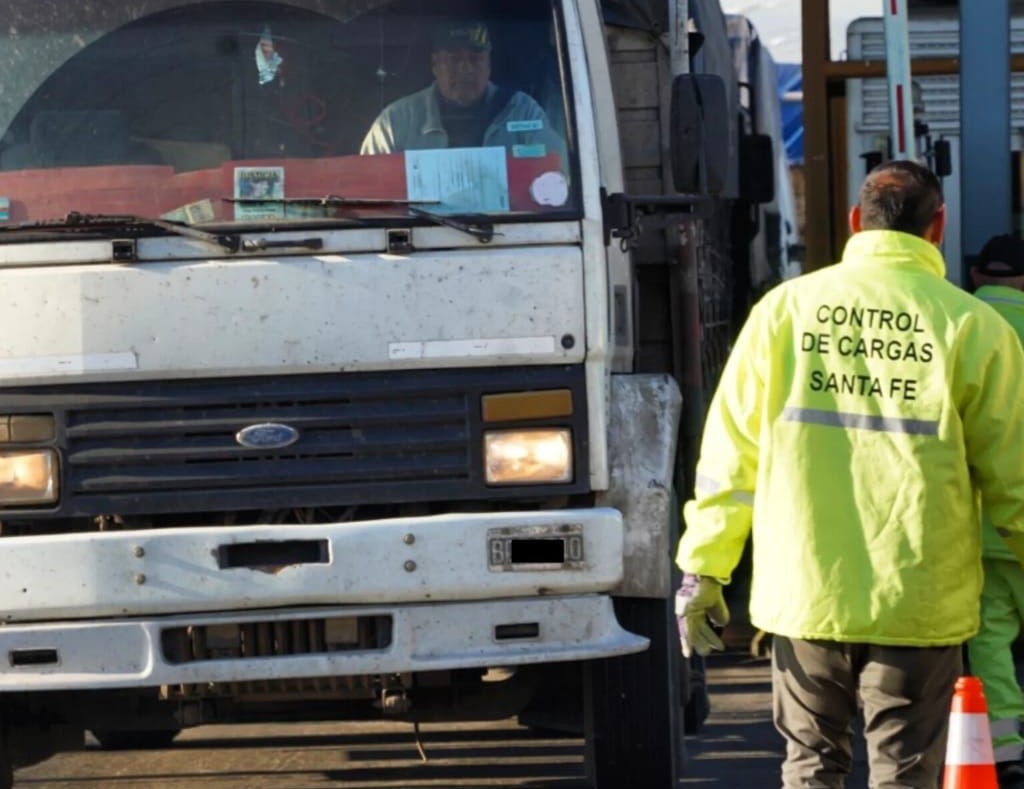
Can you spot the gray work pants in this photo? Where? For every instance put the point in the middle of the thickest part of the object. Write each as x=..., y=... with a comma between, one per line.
x=905, y=693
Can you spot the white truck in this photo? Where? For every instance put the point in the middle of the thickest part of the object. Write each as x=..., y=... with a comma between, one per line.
x=286, y=430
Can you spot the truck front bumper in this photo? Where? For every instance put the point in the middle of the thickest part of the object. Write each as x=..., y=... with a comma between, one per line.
x=424, y=637
x=451, y=591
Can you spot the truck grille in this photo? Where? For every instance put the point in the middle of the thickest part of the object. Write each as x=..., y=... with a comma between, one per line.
x=311, y=689
x=200, y=643
x=171, y=447
x=247, y=640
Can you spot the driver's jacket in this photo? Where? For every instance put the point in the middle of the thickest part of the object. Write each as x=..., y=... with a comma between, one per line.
x=863, y=409
x=414, y=123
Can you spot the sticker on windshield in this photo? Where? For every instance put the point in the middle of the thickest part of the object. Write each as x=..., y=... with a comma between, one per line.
x=550, y=188
x=256, y=190
x=192, y=213
x=536, y=151
x=199, y=211
x=525, y=126
x=5, y=209
x=458, y=179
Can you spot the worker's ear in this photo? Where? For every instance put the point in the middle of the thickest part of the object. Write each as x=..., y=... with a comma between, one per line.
x=855, y=226
x=937, y=229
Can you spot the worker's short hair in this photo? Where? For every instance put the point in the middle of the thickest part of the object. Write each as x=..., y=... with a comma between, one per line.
x=900, y=195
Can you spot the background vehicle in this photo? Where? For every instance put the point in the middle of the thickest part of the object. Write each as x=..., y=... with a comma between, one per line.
x=293, y=432
x=933, y=33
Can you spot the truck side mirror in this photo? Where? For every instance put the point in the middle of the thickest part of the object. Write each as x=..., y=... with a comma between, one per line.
x=699, y=129
x=943, y=158
x=871, y=160
x=757, y=168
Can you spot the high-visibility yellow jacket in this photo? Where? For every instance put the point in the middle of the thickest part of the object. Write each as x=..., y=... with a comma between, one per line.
x=1008, y=302
x=862, y=410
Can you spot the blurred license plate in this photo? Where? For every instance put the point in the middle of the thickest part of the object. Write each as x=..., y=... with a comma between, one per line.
x=532, y=548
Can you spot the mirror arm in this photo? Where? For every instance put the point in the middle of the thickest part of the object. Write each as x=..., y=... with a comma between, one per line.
x=623, y=212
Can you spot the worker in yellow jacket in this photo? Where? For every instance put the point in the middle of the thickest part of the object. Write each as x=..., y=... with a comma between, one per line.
x=862, y=410
x=999, y=279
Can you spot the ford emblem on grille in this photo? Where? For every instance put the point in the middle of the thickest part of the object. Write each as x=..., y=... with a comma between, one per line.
x=267, y=435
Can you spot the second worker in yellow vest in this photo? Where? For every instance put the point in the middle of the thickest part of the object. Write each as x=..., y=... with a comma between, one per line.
x=999, y=277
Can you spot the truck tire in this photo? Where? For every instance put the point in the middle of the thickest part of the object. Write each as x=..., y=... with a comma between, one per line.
x=141, y=740
x=696, y=702
x=6, y=766
x=633, y=711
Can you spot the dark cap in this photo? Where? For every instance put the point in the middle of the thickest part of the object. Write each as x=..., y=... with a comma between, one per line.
x=462, y=34
x=1002, y=256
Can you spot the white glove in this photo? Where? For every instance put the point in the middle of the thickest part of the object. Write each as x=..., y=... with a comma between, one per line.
x=699, y=600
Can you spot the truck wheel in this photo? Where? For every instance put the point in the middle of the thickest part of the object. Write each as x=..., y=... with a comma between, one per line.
x=633, y=714
x=696, y=702
x=144, y=739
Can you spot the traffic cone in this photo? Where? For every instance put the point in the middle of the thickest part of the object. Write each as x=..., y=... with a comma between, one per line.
x=970, y=763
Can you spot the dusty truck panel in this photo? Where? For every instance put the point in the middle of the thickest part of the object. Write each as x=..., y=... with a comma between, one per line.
x=305, y=430
x=377, y=303
x=642, y=458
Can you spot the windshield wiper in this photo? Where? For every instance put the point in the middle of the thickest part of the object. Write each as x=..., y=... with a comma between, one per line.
x=480, y=227
x=76, y=220
x=331, y=200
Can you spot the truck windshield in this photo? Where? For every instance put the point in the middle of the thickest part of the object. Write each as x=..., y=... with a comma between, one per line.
x=235, y=112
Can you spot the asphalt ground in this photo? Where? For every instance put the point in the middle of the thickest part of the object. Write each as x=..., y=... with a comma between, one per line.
x=738, y=748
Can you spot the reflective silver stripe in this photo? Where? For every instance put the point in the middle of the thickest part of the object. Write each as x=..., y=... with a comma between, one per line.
x=706, y=484
x=885, y=424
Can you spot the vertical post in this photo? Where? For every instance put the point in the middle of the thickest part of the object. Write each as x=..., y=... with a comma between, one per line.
x=683, y=280
x=817, y=175
x=985, y=171
x=897, y=69
x=679, y=45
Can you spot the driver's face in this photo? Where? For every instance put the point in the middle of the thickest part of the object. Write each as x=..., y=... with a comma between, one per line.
x=462, y=74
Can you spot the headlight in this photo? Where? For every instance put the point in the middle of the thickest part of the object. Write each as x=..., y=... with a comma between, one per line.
x=525, y=457
x=28, y=477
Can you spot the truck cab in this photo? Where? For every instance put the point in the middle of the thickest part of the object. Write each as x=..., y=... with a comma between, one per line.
x=298, y=423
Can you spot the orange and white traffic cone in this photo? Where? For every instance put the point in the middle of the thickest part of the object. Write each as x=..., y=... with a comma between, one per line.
x=970, y=763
